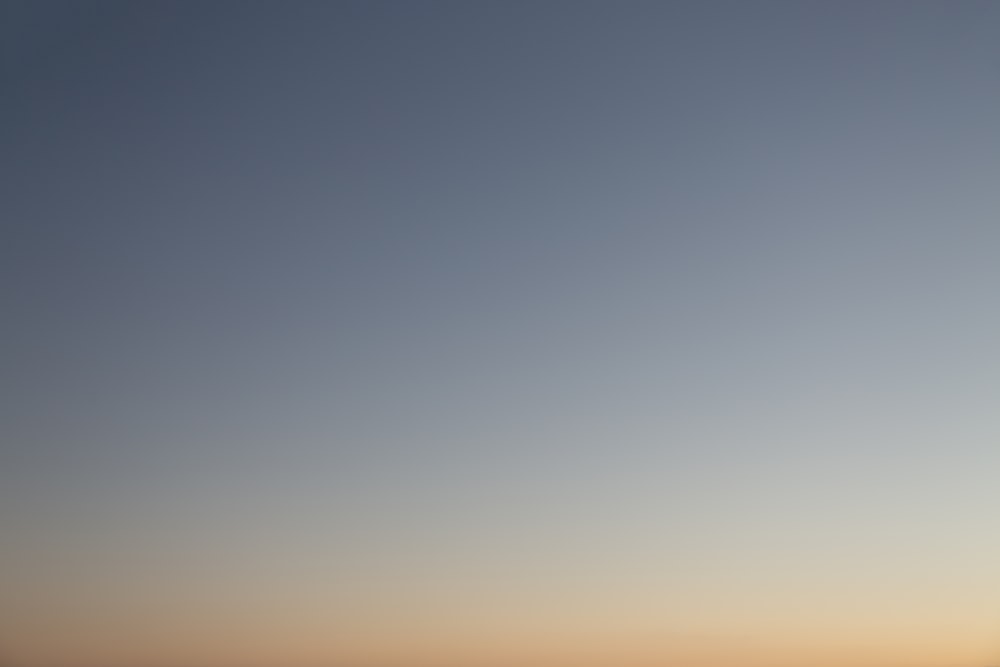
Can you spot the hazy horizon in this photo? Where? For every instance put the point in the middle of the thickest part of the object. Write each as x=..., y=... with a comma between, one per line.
x=482, y=334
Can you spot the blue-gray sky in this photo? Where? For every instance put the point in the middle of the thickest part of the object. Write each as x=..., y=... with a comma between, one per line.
x=483, y=331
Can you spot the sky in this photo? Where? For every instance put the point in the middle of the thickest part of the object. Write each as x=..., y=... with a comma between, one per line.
x=493, y=334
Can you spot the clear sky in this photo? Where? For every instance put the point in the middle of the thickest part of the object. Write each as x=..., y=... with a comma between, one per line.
x=496, y=334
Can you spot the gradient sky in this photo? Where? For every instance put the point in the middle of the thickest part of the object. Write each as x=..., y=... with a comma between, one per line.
x=494, y=334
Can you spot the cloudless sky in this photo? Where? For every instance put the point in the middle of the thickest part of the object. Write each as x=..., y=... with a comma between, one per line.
x=467, y=334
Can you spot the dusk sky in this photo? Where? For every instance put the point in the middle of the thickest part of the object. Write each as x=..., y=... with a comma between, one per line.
x=500, y=334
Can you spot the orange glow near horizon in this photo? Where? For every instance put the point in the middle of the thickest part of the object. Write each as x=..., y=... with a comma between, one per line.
x=452, y=643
